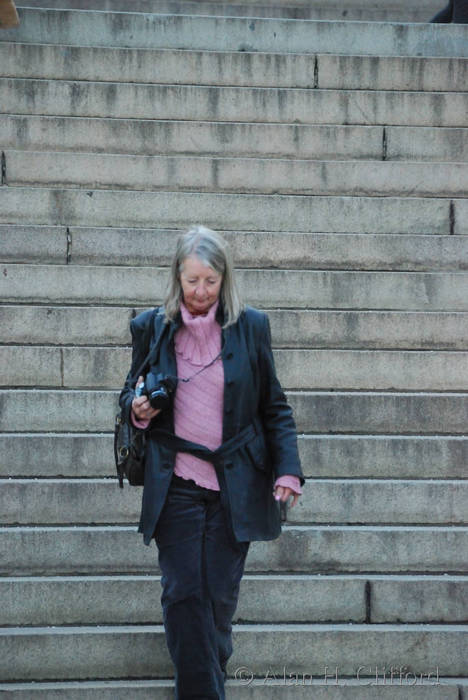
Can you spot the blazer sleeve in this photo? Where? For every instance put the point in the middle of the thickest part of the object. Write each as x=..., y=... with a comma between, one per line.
x=138, y=327
x=276, y=413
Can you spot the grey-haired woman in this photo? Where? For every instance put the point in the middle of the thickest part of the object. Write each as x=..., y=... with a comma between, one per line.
x=218, y=459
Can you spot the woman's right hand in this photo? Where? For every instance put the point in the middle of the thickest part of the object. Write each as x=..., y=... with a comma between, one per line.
x=142, y=408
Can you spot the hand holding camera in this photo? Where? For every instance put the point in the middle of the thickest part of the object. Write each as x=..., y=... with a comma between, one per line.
x=140, y=405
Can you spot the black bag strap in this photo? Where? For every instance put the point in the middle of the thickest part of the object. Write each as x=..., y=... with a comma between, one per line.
x=156, y=321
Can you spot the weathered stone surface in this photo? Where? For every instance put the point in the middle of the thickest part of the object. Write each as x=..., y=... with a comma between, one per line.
x=461, y=216
x=33, y=244
x=297, y=369
x=423, y=599
x=397, y=456
x=413, y=330
x=243, y=68
x=279, y=250
x=231, y=33
x=252, y=176
x=321, y=549
x=36, y=366
x=316, y=412
x=372, y=412
x=421, y=291
x=382, y=501
x=233, y=104
x=330, y=456
x=257, y=690
x=244, y=212
x=298, y=9
x=60, y=325
x=147, y=137
x=56, y=455
x=112, y=651
x=98, y=599
x=424, y=143
x=391, y=73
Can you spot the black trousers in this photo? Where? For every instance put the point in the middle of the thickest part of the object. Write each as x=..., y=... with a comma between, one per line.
x=201, y=566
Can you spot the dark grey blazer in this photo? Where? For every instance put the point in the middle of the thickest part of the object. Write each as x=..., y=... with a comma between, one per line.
x=252, y=396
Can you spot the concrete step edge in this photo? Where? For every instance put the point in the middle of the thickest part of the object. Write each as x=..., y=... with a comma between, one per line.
x=87, y=27
x=240, y=627
x=435, y=74
x=64, y=578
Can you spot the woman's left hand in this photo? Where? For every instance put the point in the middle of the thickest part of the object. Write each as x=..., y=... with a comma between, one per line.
x=283, y=493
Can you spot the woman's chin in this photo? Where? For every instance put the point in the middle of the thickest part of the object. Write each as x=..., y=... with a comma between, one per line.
x=198, y=309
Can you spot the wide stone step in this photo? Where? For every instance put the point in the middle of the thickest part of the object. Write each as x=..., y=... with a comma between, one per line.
x=240, y=175
x=442, y=689
x=116, y=651
x=105, y=368
x=234, y=34
x=68, y=284
x=315, y=412
x=330, y=456
x=233, y=104
x=348, y=501
x=79, y=600
x=321, y=549
x=243, y=68
x=108, y=246
x=285, y=688
x=71, y=207
x=392, y=330
x=354, y=10
x=147, y=137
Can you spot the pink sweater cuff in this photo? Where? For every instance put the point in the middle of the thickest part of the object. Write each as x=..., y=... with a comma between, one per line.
x=290, y=481
x=142, y=424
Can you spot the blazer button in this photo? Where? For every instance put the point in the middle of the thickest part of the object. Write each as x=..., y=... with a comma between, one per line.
x=228, y=410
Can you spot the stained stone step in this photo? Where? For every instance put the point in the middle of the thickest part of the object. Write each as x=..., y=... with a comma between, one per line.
x=107, y=246
x=245, y=212
x=392, y=330
x=233, y=104
x=235, y=34
x=330, y=456
x=67, y=284
x=109, y=652
x=302, y=549
x=73, y=600
x=106, y=368
x=377, y=501
x=377, y=11
x=284, y=689
x=148, y=137
x=315, y=412
x=243, y=68
x=252, y=175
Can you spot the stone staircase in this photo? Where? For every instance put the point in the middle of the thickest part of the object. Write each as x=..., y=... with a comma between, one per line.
x=334, y=157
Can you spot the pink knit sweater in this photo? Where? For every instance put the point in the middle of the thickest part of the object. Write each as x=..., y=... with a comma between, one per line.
x=198, y=404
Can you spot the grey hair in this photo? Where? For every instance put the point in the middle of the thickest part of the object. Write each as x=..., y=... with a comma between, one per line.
x=212, y=250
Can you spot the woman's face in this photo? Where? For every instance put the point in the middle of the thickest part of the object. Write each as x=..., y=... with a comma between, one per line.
x=201, y=285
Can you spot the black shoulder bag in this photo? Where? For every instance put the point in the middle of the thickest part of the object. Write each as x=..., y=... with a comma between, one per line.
x=130, y=443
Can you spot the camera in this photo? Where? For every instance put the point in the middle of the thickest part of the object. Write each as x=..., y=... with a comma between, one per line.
x=158, y=388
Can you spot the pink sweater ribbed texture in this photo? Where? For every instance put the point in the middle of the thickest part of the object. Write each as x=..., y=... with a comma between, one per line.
x=198, y=404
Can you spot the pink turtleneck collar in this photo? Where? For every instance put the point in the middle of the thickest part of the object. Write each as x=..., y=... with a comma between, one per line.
x=199, y=339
